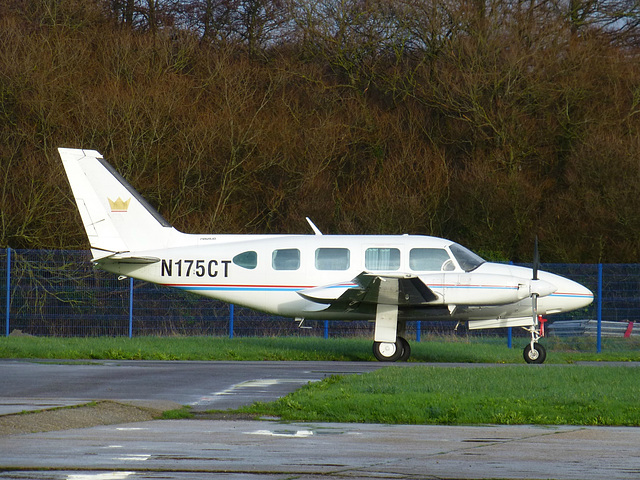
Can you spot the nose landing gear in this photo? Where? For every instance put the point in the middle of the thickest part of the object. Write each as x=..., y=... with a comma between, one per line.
x=534, y=352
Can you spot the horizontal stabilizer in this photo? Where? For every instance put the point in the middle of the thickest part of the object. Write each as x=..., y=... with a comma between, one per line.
x=129, y=259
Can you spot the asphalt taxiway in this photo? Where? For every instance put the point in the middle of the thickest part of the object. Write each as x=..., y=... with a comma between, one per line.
x=239, y=449
x=201, y=385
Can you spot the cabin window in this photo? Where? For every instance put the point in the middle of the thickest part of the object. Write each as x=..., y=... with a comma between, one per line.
x=247, y=260
x=382, y=259
x=332, y=259
x=286, y=259
x=430, y=259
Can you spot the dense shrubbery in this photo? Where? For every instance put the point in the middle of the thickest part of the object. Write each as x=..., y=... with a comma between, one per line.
x=484, y=122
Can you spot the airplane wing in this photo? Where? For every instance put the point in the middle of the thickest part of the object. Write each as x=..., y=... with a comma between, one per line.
x=373, y=289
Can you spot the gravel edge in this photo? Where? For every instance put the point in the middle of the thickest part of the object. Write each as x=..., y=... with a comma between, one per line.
x=92, y=414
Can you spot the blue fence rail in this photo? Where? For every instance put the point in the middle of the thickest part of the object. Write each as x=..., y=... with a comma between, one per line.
x=59, y=293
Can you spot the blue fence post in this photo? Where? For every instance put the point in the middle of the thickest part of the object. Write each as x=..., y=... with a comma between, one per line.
x=231, y=315
x=326, y=329
x=418, y=331
x=8, y=289
x=599, y=308
x=509, y=329
x=130, y=307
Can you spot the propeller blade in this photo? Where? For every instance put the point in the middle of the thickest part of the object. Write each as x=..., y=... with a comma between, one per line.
x=536, y=259
x=534, y=296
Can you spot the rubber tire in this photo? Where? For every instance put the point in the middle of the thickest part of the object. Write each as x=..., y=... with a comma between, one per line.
x=538, y=355
x=406, y=350
x=395, y=355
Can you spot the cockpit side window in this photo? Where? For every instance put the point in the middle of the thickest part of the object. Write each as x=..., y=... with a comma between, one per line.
x=286, y=259
x=430, y=259
x=382, y=259
x=332, y=259
x=247, y=260
x=467, y=260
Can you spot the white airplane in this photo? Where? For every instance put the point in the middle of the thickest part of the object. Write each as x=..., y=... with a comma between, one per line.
x=387, y=279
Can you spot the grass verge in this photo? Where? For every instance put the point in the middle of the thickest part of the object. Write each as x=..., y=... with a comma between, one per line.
x=550, y=395
x=512, y=394
x=178, y=414
x=431, y=349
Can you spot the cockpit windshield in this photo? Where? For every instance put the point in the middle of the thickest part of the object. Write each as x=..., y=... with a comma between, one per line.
x=467, y=260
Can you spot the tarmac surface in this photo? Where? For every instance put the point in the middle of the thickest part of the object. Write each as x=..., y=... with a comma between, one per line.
x=250, y=449
x=201, y=385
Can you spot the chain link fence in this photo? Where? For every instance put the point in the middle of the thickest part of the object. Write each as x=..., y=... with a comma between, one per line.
x=59, y=293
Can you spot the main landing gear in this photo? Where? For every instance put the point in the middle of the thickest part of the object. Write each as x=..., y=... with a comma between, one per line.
x=392, y=352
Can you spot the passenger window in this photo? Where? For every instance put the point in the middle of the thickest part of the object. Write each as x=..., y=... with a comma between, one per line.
x=247, y=260
x=332, y=259
x=382, y=259
x=286, y=259
x=429, y=259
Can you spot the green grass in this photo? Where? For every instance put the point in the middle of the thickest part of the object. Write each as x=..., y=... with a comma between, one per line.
x=509, y=394
x=178, y=414
x=431, y=349
x=185, y=348
x=550, y=395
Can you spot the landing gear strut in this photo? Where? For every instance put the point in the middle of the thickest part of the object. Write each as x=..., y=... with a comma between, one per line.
x=534, y=352
x=392, y=352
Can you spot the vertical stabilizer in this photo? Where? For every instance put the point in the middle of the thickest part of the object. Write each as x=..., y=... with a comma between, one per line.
x=115, y=216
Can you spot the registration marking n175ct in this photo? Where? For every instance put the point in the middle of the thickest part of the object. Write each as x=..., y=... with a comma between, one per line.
x=198, y=268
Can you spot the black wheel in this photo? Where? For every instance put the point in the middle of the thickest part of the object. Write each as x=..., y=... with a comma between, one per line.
x=536, y=355
x=406, y=350
x=387, y=351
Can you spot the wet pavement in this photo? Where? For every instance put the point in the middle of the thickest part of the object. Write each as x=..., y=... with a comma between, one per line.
x=186, y=449
x=239, y=449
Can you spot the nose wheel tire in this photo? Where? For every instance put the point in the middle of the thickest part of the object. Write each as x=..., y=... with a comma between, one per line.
x=537, y=354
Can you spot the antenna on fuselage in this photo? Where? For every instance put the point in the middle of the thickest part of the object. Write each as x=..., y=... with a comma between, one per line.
x=536, y=259
x=315, y=229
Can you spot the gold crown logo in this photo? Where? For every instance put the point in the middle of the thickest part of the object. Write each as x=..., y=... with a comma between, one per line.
x=119, y=205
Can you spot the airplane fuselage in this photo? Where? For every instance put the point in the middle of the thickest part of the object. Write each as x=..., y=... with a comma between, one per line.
x=269, y=273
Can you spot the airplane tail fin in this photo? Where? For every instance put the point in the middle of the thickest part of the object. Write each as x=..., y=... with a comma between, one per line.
x=115, y=216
